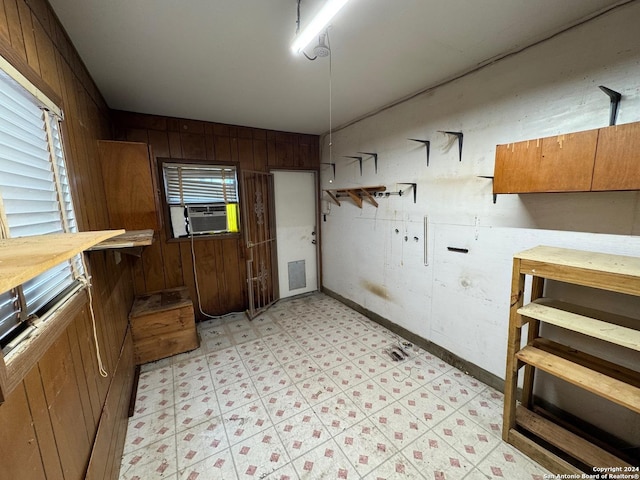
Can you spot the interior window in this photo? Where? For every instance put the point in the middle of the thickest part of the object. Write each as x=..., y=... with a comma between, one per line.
x=35, y=199
x=202, y=198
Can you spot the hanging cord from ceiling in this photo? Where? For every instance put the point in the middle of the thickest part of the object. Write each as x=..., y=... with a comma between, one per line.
x=330, y=101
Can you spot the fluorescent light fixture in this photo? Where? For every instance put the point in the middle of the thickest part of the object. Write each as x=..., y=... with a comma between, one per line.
x=319, y=22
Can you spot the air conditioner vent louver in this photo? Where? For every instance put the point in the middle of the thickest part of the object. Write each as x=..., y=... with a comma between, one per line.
x=206, y=218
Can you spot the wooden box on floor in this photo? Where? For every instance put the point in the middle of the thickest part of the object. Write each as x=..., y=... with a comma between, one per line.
x=163, y=324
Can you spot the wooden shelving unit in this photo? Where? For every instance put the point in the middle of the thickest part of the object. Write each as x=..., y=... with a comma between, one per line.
x=356, y=194
x=523, y=427
x=24, y=258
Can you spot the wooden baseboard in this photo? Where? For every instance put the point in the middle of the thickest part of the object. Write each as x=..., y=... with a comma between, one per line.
x=104, y=463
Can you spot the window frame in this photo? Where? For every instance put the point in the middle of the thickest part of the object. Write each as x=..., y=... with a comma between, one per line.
x=166, y=206
x=26, y=308
x=15, y=366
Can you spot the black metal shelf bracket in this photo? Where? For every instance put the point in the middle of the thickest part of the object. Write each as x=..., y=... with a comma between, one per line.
x=615, y=103
x=375, y=159
x=413, y=186
x=333, y=166
x=357, y=158
x=460, y=136
x=426, y=143
x=495, y=195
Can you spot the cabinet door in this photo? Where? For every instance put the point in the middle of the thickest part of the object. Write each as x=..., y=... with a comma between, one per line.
x=553, y=164
x=567, y=162
x=130, y=185
x=618, y=158
x=515, y=165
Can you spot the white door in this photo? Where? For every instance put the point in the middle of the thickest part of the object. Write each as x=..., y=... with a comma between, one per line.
x=295, y=203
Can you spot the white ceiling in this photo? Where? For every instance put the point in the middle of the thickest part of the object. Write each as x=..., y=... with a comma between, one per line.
x=229, y=61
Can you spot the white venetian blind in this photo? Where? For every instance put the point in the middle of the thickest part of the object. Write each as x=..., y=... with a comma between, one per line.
x=29, y=191
x=192, y=184
x=57, y=155
x=9, y=312
x=27, y=183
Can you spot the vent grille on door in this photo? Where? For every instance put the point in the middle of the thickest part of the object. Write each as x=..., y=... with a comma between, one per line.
x=297, y=275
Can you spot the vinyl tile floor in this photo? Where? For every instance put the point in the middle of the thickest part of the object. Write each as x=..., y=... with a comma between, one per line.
x=305, y=391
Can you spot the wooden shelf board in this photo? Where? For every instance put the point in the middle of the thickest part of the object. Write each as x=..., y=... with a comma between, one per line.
x=356, y=194
x=24, y=258
x=129, y=239
x=560, y=314
x=568, y=442
x=607, y=387
x=544, y=457
x=378, y=188
x=617, y=273
x=575, y=425
x=591, y=362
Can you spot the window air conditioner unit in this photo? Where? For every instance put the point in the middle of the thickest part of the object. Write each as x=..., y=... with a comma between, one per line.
x=206, y=218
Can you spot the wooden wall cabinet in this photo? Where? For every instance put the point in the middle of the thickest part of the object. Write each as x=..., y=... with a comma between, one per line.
x=603, y=159
x=131, y=186
x=511, y=161
x=526, y=426
x=617, y=165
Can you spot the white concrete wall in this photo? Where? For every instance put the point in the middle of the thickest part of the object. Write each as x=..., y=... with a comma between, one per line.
x=460, y=301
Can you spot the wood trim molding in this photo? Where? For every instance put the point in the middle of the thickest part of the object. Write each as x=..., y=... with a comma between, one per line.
x=18, y=364
x=10, y=55
x=3, y=381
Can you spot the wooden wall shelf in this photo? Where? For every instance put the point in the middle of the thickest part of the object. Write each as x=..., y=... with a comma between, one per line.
x=130, y=241
x=356, y=194
x=24, y=258
x=606, y=379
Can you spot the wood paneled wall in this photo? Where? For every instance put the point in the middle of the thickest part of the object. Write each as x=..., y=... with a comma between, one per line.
x=221, y=261
x=48, y=424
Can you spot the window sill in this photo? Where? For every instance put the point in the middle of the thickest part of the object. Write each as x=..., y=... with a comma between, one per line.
x=199, y=238
x=17, y=364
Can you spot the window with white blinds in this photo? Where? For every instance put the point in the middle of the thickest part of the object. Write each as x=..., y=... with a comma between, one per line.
x=35, y=198
x=188, y=184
